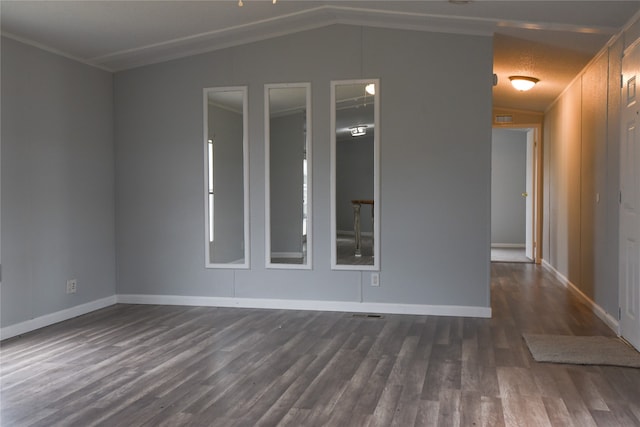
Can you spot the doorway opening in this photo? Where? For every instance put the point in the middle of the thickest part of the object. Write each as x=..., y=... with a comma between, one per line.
x=515, y=198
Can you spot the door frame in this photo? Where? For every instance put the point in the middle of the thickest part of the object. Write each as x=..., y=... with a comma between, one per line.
x=537, y=183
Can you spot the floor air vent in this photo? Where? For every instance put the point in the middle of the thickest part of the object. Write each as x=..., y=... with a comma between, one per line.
x=370, y=316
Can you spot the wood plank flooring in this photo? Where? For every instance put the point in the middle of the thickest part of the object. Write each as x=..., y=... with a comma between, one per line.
x=136, y=365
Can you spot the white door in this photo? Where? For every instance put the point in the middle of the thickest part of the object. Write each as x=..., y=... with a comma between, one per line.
x=528, y=216
x=630, y=199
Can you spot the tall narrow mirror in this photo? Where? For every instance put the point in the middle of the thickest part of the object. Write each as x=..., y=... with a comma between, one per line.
x=226, y=177
x=355, y=201
x=288, y=175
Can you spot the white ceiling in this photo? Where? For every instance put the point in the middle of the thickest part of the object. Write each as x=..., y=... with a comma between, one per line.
x=550, y=40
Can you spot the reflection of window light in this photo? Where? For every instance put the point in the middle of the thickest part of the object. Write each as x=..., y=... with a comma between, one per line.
x=211, y=217
x=210, y=189
x=304, y=197
x=359, y=130
x=210, y=167
x=370, y=88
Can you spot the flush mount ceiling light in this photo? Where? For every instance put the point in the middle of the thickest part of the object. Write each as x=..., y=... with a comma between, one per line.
x=523, y=83
x=359, y=130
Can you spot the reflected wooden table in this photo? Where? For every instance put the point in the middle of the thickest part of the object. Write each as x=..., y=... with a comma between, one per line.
x=357, y=204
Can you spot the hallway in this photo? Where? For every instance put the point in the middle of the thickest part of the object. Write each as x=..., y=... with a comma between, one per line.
x=528, y=299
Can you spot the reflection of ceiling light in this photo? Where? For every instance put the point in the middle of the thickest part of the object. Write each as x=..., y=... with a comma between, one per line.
x=370, y=88
x=523, y=83
x=358, y=130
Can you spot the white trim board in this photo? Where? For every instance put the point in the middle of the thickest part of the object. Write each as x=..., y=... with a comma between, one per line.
x=59, y=316
x=352, y=233
x=609, y=320
x=287, y=255
x=285, y=304
x=507, y=246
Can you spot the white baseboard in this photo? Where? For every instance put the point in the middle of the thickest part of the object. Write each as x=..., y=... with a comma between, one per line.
x=343, y=306
x=58, y=316
x=281, y=304
x=508, y=245
x=608, y=319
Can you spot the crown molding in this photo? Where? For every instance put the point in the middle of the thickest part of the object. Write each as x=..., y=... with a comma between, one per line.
x=54, y=51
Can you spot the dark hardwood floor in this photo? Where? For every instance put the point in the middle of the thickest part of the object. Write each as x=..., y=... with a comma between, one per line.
x=136, y=365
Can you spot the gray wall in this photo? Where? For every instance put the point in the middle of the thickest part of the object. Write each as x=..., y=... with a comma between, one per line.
x=57, y=183
x=508, y=182
x=287, y=145
x=435, y=177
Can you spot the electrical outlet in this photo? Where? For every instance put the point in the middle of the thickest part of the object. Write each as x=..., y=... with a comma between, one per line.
x=72, y=286
x=375, y=279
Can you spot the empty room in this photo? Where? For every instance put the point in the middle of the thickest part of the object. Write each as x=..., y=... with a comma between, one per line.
x=221, y=213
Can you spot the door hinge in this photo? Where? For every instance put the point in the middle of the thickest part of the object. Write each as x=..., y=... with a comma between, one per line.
x=620, y=197
x=619, y=313
x=621, y=81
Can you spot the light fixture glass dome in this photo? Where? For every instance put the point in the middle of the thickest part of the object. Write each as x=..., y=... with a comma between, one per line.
x=523, y=83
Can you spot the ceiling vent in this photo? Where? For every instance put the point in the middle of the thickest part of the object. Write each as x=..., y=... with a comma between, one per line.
x=504, y=118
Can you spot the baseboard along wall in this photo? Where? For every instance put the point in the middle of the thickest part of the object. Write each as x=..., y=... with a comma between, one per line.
x=508, y=246
x=313, y=305
x=608, y=319
x=59, y=316
x=277, y=304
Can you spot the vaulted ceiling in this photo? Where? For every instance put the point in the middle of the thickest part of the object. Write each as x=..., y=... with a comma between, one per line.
x=549, y=40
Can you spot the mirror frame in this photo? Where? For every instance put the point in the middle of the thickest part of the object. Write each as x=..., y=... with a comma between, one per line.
x=376, y=178
x=267, y=179
x=245, y=174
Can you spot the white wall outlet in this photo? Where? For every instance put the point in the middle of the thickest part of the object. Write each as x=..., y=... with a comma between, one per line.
x=375, y=279
x=72, y=286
